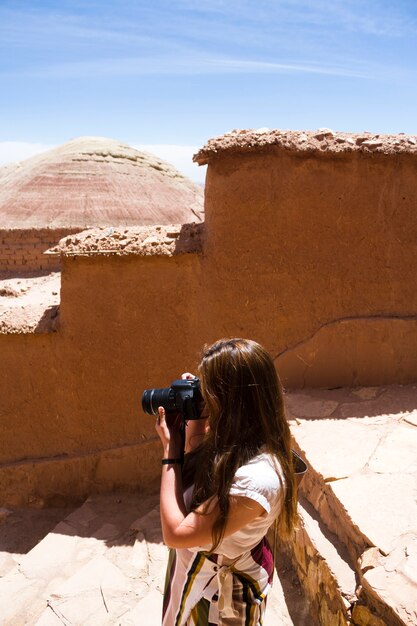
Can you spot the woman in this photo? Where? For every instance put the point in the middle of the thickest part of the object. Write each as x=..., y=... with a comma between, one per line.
x=221, y=569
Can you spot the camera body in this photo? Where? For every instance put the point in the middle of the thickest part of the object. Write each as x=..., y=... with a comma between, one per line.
x=183, y=396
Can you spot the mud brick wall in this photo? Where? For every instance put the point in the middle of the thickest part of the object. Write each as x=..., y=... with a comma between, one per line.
x=22, y=250
x=313, y=252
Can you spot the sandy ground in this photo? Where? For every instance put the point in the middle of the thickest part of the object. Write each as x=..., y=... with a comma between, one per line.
x=28, y=303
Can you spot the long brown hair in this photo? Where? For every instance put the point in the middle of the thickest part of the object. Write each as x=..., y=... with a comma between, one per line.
x=244, y=401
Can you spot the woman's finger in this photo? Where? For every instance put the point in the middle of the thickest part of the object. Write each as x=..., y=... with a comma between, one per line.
x=161, y=418
x=187, y=376
x=161, y=426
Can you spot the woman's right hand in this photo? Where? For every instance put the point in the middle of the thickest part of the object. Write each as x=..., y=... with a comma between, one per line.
x=196, y=429
x=187, y=376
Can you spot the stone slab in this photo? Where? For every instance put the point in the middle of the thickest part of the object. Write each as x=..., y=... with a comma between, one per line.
x=336, y=448
x=393, y=580
x=366, y=455
x=384, y=506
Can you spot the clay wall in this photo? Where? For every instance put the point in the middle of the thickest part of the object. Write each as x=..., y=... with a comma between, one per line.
x=70, y=417
x=22, y=250
x=315, y=256
x=312, y=254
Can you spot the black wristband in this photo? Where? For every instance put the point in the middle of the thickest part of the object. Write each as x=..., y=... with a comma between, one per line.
x=171, y=461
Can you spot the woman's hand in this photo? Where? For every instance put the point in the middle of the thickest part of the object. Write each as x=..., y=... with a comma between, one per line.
x=196, y=429
x=187, y=376
x=170, y=436
x=168, y=430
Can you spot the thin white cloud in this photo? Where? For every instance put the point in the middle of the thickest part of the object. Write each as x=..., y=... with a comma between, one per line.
x=247, y=66
x=179, y=156
x=188, y=66
x=14, y=151
x=373, y=17
x=43, y=29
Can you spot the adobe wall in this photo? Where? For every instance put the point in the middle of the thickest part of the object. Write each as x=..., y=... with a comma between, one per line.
x=22, y=250
x=312, y=250
x=70, y=416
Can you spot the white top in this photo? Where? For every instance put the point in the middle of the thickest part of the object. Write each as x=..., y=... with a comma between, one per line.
x=261, y=479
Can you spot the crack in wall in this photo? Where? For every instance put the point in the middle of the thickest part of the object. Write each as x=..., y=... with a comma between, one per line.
x=374, y=317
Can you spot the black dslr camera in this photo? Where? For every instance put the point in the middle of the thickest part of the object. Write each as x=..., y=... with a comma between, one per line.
x=184, y=397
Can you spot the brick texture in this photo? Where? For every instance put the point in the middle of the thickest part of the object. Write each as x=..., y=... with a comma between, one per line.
x=23, y=249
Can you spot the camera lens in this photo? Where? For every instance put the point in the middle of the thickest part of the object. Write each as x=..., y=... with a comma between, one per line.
x=153, y=398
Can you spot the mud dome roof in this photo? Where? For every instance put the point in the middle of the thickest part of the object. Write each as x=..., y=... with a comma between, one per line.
x=94, y=181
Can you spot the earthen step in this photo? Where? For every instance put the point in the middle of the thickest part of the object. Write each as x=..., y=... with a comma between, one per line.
x=387, y=582
x=92, y=554
x=323, y=568
x=360, y=445
x=105, y=565
x=319, y=492
x=21, y=529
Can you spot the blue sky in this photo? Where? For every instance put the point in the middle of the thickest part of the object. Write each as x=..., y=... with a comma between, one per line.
x=170, y=74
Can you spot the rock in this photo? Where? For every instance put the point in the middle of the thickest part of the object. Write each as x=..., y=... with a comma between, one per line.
x=394, y=583
x=372, y=143
x=324, y=133
x=9, y=292
x=359, y=140
x=151, y=241
x=412, y=141
x=369, y=559
x=363, y=616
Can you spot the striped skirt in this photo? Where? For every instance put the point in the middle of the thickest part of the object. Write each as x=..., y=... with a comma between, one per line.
x=211, y=590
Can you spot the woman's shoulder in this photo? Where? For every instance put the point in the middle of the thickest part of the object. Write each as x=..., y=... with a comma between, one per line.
x=260, y=479
x=263, y=472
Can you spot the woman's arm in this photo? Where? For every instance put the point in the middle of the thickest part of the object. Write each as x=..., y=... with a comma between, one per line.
x=195, y=529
